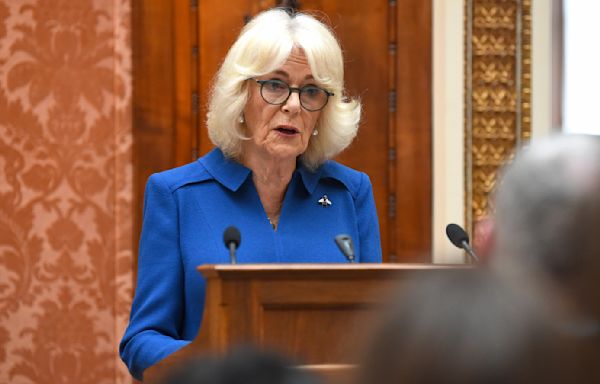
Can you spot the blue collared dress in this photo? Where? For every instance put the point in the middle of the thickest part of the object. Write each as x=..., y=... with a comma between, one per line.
x=186, y=211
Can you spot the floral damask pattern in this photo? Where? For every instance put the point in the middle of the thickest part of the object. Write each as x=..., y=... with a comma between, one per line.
x=65, y=189
x=66, y=351
x=63, y=45
x=3, y=16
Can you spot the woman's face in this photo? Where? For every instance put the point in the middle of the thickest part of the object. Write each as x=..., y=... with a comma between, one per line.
x=281, y=131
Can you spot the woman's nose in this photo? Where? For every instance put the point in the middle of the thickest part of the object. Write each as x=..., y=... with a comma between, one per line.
x=292, y=104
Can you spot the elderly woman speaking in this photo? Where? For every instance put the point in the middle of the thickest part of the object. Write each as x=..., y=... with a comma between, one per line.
x=277, y=115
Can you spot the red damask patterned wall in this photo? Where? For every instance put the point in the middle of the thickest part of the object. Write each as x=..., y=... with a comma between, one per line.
x=65, y=189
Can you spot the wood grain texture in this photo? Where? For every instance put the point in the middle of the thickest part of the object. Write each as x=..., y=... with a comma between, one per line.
x=413, y=131
x=315, y=314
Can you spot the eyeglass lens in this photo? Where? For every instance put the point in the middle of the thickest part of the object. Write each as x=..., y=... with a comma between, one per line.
x=277, y=92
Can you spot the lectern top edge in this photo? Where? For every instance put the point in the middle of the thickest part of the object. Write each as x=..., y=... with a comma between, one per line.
x=210, y=270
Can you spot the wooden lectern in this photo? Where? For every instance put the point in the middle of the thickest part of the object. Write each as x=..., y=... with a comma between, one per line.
x=313, y=313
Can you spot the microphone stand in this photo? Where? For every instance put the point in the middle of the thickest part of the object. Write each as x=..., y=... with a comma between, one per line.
x=470, y=251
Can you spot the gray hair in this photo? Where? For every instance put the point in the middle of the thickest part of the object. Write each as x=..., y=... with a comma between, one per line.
x=548, y=209
x=463, y=326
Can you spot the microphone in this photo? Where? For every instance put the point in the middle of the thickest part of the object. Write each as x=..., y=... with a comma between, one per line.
x=460, y=239
x=344, y=243
x=232, y=239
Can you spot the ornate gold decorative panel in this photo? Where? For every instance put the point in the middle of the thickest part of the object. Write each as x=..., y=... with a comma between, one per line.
x=497, y=94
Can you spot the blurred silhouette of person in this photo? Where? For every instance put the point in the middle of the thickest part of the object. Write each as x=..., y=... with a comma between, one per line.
x=547, y=220
x=465, y=326
x=546, y=230
x=242, y=365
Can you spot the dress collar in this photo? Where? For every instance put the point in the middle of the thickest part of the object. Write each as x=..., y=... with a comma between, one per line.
x=232, y=174
x=309, y=178
x=226, y=171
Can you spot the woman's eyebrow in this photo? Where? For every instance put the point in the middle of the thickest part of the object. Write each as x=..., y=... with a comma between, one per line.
x=287, y=75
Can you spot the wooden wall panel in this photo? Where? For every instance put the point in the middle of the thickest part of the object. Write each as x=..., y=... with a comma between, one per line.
x=165, y=121
x=217, y=32
x=413, y=131
x=153, y=102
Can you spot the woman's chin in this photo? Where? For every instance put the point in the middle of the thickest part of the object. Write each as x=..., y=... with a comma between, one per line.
x=283, y=152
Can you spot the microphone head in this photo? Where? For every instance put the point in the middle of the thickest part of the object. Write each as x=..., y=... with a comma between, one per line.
x=457, y=235
x=344, y=243
x=232, y=235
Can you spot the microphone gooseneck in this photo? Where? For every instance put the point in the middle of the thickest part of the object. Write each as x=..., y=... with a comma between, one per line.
x=232, y=239
x=460, y=239
x=344, y=243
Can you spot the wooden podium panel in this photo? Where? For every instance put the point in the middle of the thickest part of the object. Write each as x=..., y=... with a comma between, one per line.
x=315, y=314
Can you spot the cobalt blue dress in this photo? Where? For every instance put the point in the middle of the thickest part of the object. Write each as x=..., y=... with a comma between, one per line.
x=186, y=211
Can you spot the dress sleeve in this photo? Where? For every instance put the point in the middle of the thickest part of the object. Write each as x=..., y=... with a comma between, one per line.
x=368, y=224
x=157, y=310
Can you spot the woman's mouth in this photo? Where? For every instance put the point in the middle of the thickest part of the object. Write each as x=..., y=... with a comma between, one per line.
x=286, y=130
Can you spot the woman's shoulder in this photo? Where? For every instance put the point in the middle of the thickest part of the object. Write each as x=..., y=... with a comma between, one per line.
x=213, y=166
x=177, y=177
x=354, y=180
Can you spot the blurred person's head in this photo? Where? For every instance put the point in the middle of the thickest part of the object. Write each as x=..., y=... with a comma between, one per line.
x=464, y=326
x=548, y=216
x=243, y=365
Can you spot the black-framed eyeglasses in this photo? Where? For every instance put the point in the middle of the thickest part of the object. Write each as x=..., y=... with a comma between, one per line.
x=277, y=92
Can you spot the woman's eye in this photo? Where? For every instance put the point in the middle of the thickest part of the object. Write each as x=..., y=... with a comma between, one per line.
x=311, y=91
x=275, y=85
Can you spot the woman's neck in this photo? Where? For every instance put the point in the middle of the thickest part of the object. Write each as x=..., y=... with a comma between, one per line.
x=271, y=177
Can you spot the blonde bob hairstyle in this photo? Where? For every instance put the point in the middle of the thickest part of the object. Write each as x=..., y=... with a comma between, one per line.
x=263, y=46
